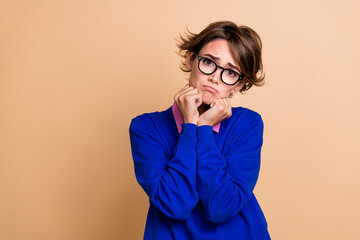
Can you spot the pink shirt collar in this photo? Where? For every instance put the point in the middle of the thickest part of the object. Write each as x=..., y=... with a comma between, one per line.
x=179, y=120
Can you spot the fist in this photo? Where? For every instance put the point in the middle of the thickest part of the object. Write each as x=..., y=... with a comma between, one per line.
x=220, y=109
x=188, y=99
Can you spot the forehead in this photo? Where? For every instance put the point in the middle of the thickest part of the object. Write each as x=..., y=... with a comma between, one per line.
x=219, y=48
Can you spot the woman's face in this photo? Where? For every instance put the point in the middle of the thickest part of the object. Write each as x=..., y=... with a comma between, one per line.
x=210, y=86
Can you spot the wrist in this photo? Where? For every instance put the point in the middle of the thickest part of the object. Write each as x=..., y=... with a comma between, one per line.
x=190, y=120
x=204, y=123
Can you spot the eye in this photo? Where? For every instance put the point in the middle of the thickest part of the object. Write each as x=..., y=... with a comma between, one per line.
x=208, y=62
x=231, y=73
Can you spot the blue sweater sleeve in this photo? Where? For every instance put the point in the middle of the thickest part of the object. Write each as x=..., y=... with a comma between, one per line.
x=225, y=182
x=169, y=181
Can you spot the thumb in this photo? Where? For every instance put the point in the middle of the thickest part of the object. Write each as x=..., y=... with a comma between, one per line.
x=198, y=100
x=212, y=103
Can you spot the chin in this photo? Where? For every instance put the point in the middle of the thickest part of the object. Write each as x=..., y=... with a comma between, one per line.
x=207, y=100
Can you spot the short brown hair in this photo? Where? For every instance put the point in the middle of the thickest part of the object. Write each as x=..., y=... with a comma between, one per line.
x=245, y=45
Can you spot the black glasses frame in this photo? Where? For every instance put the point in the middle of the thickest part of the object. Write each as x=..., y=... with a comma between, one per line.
x=241, y=76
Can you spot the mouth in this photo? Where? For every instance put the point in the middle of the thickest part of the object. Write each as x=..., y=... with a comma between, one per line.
x=210, y=89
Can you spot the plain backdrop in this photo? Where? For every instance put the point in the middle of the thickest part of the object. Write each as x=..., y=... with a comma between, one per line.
x=74, y=73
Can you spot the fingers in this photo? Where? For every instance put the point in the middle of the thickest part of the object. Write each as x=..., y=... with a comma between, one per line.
x=186, y=91
x=222, y=106
x=188, y=99
x=181, y=91
x=188, y=94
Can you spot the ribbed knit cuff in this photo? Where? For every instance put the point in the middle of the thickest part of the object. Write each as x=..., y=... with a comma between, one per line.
x=205, y=131
x=189, y=129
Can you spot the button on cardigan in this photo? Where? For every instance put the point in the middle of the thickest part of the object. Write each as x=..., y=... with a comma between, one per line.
x=199, y=183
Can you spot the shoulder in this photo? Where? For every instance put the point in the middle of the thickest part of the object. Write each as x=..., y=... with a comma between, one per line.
x=245, y=116
x=148, y=121
x=244, y=122
x=142, y=119
x=245, y=126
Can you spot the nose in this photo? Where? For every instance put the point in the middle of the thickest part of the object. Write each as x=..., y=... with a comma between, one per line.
x=215, y=77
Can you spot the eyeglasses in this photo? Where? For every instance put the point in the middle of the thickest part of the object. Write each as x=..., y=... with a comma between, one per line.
x=227, y=75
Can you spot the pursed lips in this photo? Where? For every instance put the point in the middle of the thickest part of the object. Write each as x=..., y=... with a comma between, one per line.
x=210, y=89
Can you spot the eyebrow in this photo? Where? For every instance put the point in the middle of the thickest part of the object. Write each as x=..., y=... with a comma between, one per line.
x=217, y=58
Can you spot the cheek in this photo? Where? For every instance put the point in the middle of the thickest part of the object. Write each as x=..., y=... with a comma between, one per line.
x=225, y=92
x=191, y=80
x=194, y=78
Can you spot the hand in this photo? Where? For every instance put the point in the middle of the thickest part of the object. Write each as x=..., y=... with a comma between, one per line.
x=188, y=99
x=220, y=109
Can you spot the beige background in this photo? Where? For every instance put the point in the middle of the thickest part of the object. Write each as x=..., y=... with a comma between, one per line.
x=74, y=73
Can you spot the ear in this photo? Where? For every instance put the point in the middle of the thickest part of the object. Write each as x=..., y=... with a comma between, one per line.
x=189, y=60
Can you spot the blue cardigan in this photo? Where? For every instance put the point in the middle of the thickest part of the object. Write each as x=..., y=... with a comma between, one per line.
x=200, y=183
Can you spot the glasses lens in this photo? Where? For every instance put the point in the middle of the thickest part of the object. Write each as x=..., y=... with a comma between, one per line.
x=229, y=76
x=207, y=66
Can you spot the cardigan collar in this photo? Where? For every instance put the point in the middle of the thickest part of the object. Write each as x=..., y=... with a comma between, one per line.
x=179, y=120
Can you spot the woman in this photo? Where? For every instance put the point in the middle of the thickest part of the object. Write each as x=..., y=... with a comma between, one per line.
x=199, y=160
